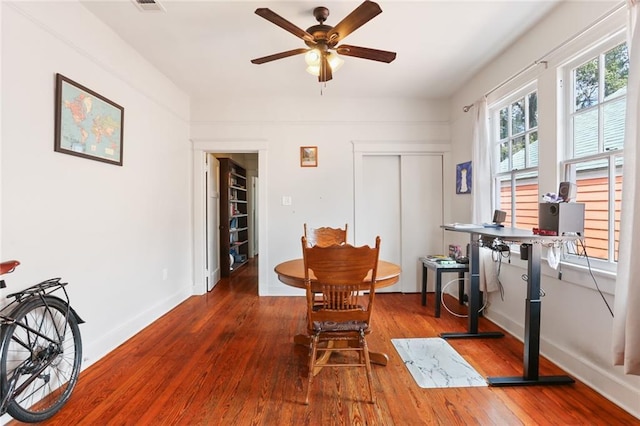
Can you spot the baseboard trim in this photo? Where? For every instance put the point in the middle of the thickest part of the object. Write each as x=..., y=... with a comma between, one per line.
x=602, y=381
x=94, y=350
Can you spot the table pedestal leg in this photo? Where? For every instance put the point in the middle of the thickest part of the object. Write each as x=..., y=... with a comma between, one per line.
x=379, y=358
x=301, y=339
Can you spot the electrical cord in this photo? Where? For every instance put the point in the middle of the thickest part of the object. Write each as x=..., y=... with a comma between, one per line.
x=442, y=292
x=498, y=259
x=586, y=256
x=503, y=256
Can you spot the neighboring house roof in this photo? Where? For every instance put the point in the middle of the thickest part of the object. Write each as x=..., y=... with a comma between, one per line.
x=586, y=133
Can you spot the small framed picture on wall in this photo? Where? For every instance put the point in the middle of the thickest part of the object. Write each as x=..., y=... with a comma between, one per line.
x=463, y=178
x=308, y=156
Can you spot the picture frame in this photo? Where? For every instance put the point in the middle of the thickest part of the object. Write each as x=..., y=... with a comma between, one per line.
x=463, y=178
x=87, y=124
x=308, y=156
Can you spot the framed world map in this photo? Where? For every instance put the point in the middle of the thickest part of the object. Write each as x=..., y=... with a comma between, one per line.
x=87, y=124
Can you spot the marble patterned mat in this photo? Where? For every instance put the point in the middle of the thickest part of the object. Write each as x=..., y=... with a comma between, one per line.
x=433, y=363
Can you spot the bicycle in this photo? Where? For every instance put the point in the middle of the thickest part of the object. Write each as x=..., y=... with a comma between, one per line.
x=40, y=350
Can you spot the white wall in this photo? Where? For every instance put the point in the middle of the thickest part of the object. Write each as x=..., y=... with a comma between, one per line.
x=323, y=195
x=576, y=325
x=109, y=231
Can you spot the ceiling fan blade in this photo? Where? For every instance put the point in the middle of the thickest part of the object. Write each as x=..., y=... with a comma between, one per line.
x=284, y=24
x=279, y=55
x=366, y=53
x=325, y=70
x=360, y=16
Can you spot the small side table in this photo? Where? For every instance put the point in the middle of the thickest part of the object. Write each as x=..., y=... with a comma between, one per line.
x=438, y=269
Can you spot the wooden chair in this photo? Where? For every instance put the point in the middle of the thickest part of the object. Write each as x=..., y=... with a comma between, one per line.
x=337, y=274
x=325, y=236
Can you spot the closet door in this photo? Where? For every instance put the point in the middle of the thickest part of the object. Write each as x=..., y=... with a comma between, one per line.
x=422, y=207
x=400, y=198
x=380, y=208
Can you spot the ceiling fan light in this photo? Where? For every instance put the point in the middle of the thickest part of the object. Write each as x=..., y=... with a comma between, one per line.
x=314, y=70
x=335, y=61
x=312, y=58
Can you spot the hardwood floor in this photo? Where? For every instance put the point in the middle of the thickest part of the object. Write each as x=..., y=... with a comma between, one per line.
x=227, y=358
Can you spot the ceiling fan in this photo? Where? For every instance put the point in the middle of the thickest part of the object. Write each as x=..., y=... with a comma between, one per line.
x=322, y=39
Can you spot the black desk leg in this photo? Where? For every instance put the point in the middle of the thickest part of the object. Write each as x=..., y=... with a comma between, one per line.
x=533, y=311
x=461, y=287
x=438, y=300
x=474, y=298
x=424, y=285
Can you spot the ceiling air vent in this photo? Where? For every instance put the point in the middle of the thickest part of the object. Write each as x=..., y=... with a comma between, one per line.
x=149, y=5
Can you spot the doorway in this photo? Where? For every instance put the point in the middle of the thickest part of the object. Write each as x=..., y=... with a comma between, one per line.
x=201, y=237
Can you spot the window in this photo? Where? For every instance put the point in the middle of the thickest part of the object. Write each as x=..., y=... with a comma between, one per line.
x=595, y=109
x=515, y=146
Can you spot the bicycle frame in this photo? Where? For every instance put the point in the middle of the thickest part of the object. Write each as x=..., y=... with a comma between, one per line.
x=43, y=359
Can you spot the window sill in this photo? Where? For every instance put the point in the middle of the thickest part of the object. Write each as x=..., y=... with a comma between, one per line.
x=572, y=273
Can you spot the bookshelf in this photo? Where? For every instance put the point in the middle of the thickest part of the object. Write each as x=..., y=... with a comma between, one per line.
x=234, y=218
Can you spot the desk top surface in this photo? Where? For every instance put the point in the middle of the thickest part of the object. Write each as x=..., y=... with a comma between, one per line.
x=508, y=233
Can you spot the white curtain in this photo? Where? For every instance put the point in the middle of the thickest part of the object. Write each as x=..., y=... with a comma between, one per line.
x=481, y=170
x=626, y=323
x=482, y=190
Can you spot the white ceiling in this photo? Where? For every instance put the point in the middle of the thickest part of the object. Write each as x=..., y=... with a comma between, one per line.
x=205, y=46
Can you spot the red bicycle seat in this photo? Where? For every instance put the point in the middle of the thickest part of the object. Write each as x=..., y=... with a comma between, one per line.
x=8, y=266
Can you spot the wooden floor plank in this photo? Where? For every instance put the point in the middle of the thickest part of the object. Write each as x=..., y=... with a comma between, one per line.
x=228, y=358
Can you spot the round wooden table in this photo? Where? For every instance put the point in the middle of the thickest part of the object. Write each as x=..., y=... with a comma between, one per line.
x=291, y=273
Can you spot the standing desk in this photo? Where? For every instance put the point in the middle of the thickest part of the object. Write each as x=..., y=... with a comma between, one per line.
x=532, y=252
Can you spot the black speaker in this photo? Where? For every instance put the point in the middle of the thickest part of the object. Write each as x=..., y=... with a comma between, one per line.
x=567, y=191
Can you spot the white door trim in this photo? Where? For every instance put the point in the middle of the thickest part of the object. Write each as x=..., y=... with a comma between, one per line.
x=213, y=223
x=200, y=148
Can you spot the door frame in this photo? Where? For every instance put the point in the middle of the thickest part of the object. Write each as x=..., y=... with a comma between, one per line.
x=254, y=200
x=201, y=148
x=212, y=222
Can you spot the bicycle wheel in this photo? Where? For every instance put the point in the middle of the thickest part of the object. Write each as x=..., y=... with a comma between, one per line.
x=40, y=361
